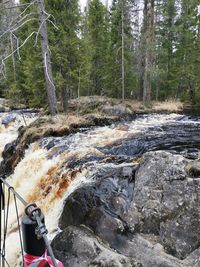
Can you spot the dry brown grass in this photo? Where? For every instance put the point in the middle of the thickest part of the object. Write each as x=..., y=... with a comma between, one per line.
x=168, y=105
x=93, y=104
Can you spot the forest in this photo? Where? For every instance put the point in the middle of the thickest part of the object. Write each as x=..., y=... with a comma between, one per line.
x=52, y=51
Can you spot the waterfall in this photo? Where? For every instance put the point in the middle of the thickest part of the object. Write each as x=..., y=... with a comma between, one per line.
x=54, y=167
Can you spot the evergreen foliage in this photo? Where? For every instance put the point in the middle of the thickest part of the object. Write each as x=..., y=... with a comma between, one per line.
x=115, y=49
x=97, y=35
x=64, y=44
x=161, y=45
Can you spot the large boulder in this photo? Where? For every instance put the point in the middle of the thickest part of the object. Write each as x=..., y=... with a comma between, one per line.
x=101, y=204
x=148, y=214
x=116, y=110
x=79, y=247
x=166, y=202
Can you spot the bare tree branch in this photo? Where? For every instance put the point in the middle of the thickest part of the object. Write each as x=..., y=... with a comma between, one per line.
x=46, y=69
x=46, y=19
x=17, y=40
x=4, y=59
x=17, y=6
x=11, y=26
x=38, y=32
x=25, y=22
x=53, y=24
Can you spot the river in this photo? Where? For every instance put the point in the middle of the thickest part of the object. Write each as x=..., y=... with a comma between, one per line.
x=54, y=167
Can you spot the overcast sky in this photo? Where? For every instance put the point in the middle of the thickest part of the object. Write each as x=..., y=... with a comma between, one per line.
x=82, y=2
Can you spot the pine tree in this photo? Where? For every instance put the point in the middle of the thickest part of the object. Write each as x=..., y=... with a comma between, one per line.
x=64, y=44
x=84, y=83
x=187, y=51
x=148, y=49
x=122, y=50
x=28, y=86
x=165, y=42
x=97, y=34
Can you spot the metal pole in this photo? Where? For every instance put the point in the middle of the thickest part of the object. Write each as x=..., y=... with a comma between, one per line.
x=1, y=211
x=14, y=192
x=44, y=235
x=41, y=226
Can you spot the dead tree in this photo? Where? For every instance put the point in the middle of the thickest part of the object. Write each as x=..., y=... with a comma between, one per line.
x=21, y=20
x=42, y=15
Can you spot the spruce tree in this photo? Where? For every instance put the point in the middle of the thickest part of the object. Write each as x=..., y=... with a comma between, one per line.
x=121, y=50
x=187, y=51
x=64, y=44
x=97, y=34
x=28, y=87
x=165, y=41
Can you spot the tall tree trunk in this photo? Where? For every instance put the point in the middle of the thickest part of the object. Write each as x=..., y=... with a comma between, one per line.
x=65, y=96
x=142, y=51
x=149, y=48
x=46, y=58
x=192, y=91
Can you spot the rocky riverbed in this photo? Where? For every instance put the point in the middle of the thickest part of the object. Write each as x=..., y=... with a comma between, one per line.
x=128, y=193
x=146, y=217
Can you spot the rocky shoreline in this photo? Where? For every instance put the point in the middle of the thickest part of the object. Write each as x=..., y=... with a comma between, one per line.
x=147, y=217
x=134, y=212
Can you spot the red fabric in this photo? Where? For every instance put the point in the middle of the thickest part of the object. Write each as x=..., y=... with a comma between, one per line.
x=35, y=261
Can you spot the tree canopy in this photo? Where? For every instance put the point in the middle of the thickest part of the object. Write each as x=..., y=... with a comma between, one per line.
x=146, y=50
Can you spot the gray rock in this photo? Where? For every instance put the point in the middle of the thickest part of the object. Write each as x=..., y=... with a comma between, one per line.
x=8, y=119
x=166, y=203
x=4, y=105
x=109, y=197
x=193, y=259
x=78, y=247
x=116, y=110
x=193, y=168
x=147, y=253
x=152, y=223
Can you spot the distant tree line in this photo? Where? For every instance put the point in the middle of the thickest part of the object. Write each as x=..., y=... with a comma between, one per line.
x=145, y=50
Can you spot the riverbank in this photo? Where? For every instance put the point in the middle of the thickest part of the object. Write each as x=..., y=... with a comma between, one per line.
x=123, y=195
x=82, y=113
x=112, y=106
x=105, y=105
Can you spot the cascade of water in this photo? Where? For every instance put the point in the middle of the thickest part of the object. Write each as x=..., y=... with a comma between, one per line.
x=54, y=167
x=9, y=125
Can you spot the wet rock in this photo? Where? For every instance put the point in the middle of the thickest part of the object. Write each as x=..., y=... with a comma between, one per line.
x=105, y=199
x=8, y=119
x=46, y=127
x=193, y=168
x=9, y=156
x=116, y=110
x=166, y=203
x=4, y=105
x=169, y=136
x=78, y=247
x=157, y=225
